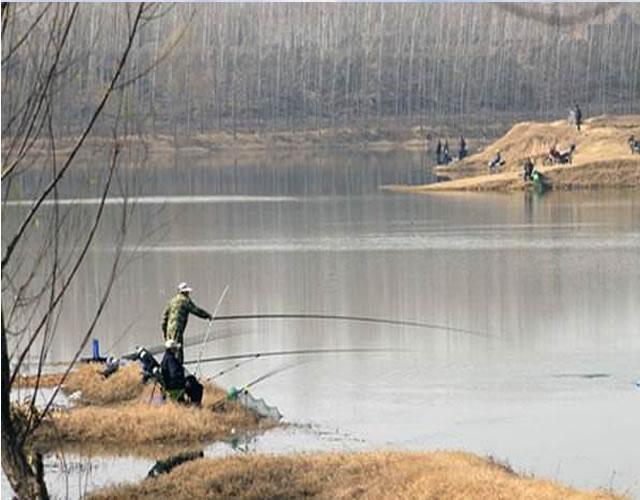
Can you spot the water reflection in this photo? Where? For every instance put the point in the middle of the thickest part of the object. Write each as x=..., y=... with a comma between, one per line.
x=554, y=279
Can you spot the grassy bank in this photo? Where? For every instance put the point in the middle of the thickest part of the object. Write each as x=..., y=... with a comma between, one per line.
x=602, y=160
x=121, y=413
x=438, y=475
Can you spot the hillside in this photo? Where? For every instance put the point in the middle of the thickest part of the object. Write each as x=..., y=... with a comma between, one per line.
x=602, y=159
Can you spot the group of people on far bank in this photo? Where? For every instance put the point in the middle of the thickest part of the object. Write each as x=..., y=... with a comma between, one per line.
x=443, y=156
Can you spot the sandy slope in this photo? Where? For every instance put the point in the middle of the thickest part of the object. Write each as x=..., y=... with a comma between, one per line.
x=602, y=158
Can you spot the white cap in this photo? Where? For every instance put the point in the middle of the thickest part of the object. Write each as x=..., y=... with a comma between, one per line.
x=171, y=343
x=183, y=287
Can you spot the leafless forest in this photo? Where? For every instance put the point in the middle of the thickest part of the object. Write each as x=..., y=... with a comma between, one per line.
x=292, y=66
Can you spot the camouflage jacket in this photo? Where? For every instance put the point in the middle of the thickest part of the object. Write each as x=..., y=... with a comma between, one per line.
x=176, y=315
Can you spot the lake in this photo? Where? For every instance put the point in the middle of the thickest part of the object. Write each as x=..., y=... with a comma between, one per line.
x=549, y=285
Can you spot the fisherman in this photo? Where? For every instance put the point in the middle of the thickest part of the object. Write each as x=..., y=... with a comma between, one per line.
x=176, y=315
x=577, y=114
x=462, y=152
x=496, y=162
x=528, y=167
x=439, y=153
x=634, y=145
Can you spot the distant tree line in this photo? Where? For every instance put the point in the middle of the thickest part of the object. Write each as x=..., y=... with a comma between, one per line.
x=305, y=66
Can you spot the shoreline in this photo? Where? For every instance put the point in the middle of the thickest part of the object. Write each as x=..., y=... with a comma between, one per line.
x=602, y=160
x=215, y=146
x=619, y=174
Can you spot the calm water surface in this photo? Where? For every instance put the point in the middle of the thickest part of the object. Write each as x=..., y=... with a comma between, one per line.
x=553, y=281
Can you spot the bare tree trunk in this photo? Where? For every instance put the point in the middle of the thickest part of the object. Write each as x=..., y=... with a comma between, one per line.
x=25, y=480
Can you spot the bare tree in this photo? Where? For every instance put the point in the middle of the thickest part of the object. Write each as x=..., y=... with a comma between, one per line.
x=46, y=246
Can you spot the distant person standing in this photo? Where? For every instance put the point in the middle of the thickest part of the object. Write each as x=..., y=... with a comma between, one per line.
x=176, y=315
x=577, y=113
x=528, y=167
x=446, y=158
x=462, y=152
x=439, y=153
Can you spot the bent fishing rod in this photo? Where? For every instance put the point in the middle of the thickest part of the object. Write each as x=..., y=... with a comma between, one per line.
x=197, y=339
x=360, y=319
x=297, y=352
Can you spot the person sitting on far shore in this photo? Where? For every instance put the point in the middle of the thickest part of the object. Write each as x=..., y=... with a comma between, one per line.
x=496, y=163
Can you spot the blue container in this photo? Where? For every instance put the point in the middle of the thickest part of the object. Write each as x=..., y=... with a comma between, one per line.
x=96, y=349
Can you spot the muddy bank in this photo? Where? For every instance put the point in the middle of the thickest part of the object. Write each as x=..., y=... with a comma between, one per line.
x=348, y=475
x=602, y=160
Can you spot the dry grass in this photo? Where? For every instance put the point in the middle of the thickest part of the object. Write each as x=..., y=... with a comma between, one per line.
x=436, y=475
x=119, y=412
x=123, y=385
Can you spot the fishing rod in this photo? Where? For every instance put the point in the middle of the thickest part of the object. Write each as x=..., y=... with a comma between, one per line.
x=233, y=392
x=209, y=327
x=253, y=355
x=194, y=340
x=360, y=319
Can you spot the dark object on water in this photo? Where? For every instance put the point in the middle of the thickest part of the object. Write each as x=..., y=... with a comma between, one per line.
x=167, y=465
x=583, y=375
